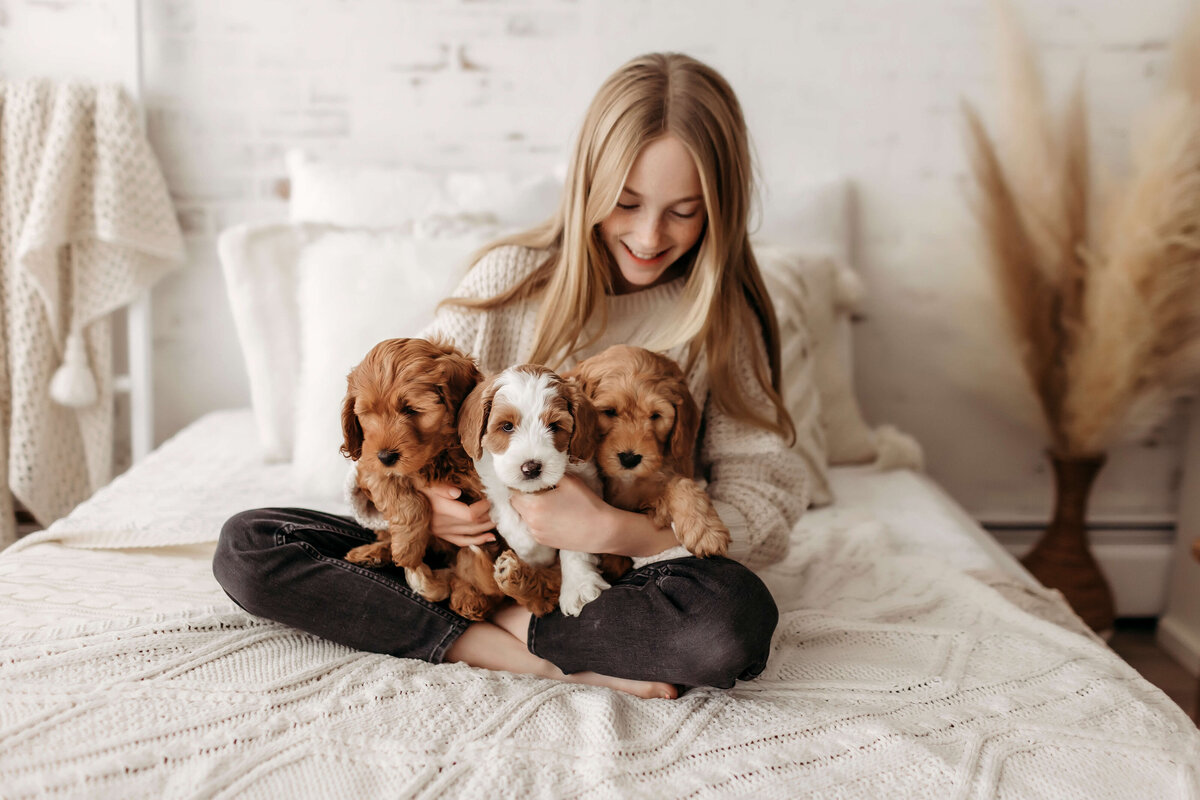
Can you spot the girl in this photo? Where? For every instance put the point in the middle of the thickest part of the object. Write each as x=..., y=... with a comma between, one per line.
x=648, y=247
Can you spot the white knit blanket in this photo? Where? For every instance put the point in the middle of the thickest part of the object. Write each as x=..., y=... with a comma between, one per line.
x=86, y=224
x=891, y=675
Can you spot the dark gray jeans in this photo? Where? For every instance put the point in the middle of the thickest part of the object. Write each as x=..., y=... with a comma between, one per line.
x=687, y=621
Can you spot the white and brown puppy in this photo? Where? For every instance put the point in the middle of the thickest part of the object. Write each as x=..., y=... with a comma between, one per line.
x=525, y=428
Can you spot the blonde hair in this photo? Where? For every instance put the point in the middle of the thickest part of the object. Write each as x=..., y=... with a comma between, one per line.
x=647, y=98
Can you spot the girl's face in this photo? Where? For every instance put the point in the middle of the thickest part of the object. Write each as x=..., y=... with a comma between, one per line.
x=659, y=216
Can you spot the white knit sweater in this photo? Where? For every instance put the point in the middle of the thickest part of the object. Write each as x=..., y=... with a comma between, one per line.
x=758, y=485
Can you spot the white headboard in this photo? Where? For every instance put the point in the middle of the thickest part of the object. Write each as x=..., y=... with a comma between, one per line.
x=138, y=382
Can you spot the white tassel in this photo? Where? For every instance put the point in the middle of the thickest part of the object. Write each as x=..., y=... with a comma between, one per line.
x=73, y=385
x=896, y=449
x=848, y=290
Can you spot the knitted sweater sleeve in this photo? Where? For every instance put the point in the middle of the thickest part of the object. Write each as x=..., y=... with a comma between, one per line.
x=759, y=486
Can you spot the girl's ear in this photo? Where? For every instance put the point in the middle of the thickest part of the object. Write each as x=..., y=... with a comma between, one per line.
x=352, y=432
x=585, y=436
x=473, y=417
x=681, y=443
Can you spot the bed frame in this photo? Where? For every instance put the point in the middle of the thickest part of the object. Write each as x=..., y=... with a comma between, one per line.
x=138, y=380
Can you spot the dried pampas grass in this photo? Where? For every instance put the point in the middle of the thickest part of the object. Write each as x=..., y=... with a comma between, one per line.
x=1109, y=334
x=1140, y=347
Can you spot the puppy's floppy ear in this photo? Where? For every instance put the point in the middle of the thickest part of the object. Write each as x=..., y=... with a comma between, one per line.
x=581, y=376
x=681, y=442
x=459, y=377
x=586, y=434
x=352, y=432
x=473, y=417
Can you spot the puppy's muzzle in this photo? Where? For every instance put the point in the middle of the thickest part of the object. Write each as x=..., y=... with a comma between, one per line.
x=629, y=459
x=531, y=469
x=388, y=457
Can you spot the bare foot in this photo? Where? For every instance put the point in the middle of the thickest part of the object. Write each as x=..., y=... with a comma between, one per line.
x=646, y=689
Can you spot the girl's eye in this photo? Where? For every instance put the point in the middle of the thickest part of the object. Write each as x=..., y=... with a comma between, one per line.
x=608, y=412
x=681, y=215
x=627, y=206
x=507, y=427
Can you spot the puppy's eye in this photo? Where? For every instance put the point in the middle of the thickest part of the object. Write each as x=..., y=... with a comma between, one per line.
x=608, y=412
x=409, y=411
x=656, y=416
x=553, y=427
x=507, y=427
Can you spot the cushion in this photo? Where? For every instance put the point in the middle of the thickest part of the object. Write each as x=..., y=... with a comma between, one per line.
x=375, y=196
x=815, y=294
x=355, y=288
x=259, y=265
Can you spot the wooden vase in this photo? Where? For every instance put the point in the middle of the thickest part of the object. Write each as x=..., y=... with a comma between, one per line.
x=1062, y=559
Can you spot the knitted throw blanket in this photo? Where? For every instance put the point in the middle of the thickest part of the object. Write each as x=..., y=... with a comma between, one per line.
x=891, y=675
x=888, y=678
x=86, y=224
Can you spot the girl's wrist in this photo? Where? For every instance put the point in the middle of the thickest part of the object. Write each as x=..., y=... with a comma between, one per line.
x=632, y=534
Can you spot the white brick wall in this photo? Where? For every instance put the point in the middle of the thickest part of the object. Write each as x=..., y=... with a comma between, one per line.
x=869, y=88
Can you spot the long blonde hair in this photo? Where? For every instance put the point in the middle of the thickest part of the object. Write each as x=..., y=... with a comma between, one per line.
x=647, y=98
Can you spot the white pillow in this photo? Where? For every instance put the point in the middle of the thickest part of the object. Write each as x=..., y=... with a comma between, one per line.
x=259, y=264
x=375, y=196
x=817, y=295
x=356, y=288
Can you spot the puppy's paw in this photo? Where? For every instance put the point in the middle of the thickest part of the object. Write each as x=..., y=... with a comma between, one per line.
x=713, y=540
x=577, y=594
x=377, y=554
x=696, y=523
x=536, y=588
x=507, y=570
x=433, y=586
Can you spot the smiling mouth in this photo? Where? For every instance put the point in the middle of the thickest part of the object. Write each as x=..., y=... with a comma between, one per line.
x=644, y=258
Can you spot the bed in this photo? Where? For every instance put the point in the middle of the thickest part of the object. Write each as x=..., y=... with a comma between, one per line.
x=913, y=658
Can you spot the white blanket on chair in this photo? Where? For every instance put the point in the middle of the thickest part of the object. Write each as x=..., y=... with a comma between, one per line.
x=86, y=224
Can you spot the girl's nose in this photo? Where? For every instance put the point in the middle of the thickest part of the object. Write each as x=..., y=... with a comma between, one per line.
x=648, y=234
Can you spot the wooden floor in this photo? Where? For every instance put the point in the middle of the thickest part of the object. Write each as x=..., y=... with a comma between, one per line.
x=1133, y=640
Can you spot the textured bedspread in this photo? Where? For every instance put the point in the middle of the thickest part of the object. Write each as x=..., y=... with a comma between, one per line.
x=893, y=674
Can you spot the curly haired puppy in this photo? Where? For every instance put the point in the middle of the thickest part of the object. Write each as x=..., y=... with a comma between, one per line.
x=400, y=427
x=648, y=425
x=526, y=427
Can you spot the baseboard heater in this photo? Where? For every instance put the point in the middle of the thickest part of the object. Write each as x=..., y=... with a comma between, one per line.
x=1135, y=556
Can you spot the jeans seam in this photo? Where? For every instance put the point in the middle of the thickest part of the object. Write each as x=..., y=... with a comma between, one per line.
x=438, y=654
x=531, y=635
x=287, y=528
x=400, y=589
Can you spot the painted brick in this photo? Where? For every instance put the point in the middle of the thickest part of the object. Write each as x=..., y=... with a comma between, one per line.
x=863, y=88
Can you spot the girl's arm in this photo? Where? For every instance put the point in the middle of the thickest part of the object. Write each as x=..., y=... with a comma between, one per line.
x=572, y=517
x=758, y=484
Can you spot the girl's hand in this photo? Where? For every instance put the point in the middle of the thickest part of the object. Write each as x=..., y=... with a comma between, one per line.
x=456, y=522
x=572, y=517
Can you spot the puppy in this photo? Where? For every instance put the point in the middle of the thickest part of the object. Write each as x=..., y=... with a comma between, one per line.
x=400, y=427
x=648, y=425
x=525, y=428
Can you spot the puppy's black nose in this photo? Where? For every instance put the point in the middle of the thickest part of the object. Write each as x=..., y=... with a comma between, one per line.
x=531, y=469
x=629, y=459
x=388, y=457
